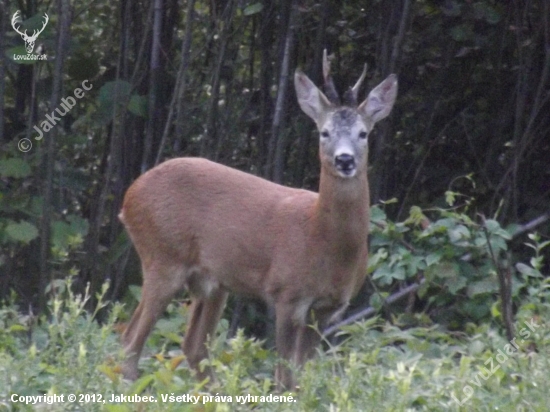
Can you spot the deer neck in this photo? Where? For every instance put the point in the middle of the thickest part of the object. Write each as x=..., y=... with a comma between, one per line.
x=342, y=209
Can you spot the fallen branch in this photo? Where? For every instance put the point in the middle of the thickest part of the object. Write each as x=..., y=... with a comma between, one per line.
x=365, y=313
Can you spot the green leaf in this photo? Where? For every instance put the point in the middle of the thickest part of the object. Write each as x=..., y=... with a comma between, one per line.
x=458, y=233
x=528, y=270
x=482, y=286
x=498, y=245
x=475, y=310
x=115, y=90
x=492, y=225
x=14, y=167
x=377, y=215
x=377, y=258
x=442, y=270
x=376, y=301
x=63, y=233
x=135, y=291
x=433, y=258
x=385, y=275
x=450, y=197
x=253, y=9
x=455, y=284
x=138, y=105
x=110, y=93
x=543, y=245
x=17, y=328
x=142, y=383
x=415, y=215
x=22, y=231
x=495, y=310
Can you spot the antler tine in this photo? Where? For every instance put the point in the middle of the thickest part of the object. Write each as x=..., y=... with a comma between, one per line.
x=45, y=22
x=37, y=32
x=14, y=21
x=326, y=65
x=350, y=97
x=357, y=85
x=329, y=88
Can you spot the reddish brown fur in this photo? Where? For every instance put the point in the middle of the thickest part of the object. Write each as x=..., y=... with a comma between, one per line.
x=212, y=229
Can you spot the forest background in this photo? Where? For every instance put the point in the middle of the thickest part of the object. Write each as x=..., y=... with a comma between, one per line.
x=459, y=172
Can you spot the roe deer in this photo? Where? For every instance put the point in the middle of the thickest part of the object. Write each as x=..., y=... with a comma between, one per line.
x=212, y=229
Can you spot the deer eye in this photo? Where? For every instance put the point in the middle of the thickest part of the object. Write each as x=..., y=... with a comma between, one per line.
x=325, y=134
x=363, y=135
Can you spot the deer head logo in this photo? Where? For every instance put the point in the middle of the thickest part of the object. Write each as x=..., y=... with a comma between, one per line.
x=29, y=40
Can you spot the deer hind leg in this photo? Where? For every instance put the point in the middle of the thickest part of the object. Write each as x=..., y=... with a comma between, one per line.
x=206, y=311
x=155, y=297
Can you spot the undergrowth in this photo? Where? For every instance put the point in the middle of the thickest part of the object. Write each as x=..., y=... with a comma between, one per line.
x=375, y=366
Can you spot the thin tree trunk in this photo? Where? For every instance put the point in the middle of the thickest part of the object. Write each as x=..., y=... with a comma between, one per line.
x=64, y=15
x=304, y=134
x=178, y=97
x=277, y=144
x=185, y=52
x=153, y=87
x=266, y=41
x=3, y=14
x=212, y=141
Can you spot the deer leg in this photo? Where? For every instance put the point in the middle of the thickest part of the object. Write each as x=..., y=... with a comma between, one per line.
x=308, y=338
x=154, y=300
x=287, y=328
x=205, y=314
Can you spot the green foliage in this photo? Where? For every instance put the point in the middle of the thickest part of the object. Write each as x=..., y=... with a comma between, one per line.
x=473, y=86
x=118, y=95
x=376, y=366
x=20, y=215
x=21, y=232
x=253, y=9
x=457, y=256
x=14, y=167
x=62, y=352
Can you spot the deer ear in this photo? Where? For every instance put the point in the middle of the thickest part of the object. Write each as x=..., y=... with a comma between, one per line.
x=312, y=101
x=380, y=100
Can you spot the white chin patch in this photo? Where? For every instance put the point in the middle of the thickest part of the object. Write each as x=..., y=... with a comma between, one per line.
x=346, y=173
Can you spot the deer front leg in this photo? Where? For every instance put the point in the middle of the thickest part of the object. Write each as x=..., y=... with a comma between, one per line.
x=287, y=328
x=308, y=339
x=309, y=335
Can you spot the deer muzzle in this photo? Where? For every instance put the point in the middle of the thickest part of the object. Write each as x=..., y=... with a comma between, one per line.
x=345, y=164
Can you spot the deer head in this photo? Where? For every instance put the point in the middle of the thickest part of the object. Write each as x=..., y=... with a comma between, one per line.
x=29, y=40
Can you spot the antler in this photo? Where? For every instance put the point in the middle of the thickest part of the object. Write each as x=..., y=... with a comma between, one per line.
x=329, y=88
x=29, y=40
x=350, y=97
x=35, y=33
x=14, y=21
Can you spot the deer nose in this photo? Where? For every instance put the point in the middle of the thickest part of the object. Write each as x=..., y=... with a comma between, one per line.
x=345, y=163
